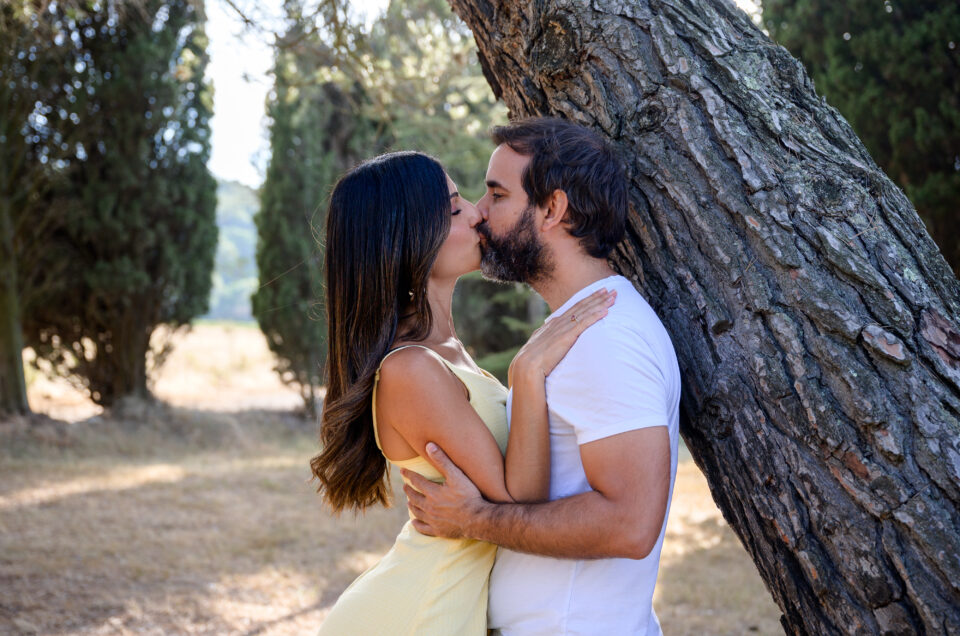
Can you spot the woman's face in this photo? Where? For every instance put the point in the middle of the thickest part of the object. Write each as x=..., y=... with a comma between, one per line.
x=460, y=252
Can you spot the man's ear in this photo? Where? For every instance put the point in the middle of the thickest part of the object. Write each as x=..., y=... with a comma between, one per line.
x=556, y=210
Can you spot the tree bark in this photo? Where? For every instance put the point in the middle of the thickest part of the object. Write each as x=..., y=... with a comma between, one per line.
x=13, y=387
x=817, y=325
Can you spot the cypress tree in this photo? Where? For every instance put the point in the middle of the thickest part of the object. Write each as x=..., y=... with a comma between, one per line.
x=140, y=228
x=315, y=136
x=17, y=102
x=892, y=69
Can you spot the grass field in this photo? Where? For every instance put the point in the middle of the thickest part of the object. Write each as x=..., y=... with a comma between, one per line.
x=198, y=516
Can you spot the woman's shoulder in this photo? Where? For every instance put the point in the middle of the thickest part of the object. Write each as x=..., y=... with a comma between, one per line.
x=408, y=362
x=414, y=370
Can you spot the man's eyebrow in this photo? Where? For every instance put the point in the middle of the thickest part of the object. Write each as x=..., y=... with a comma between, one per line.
x=491, y=183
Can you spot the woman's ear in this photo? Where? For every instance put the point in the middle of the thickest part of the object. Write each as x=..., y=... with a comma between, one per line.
x=556, y=210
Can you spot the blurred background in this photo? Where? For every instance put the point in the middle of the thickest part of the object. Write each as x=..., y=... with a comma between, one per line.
x=164, y=172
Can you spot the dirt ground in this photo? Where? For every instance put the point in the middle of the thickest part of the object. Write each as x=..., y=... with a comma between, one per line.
x=197, y=516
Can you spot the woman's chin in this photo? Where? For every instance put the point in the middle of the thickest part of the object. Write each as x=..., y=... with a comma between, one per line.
x=475, y=265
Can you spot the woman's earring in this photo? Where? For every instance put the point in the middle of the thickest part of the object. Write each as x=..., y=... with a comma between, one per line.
x=411, y=294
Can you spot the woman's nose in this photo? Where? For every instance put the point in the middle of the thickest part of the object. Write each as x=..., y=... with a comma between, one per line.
x=475, y=215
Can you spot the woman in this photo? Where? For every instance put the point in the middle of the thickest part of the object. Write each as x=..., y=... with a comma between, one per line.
x=398, y=237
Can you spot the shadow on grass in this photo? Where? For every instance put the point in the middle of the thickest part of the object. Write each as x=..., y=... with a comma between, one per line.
x=135, y=530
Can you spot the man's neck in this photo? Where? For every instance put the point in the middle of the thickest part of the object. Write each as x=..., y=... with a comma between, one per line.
x=569, y=276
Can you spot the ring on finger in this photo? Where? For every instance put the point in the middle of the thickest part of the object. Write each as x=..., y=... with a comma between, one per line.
x=573, y=318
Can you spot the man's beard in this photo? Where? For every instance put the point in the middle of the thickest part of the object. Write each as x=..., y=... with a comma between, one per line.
x=517, y=256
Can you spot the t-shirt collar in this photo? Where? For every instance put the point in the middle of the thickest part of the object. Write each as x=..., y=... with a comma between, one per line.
x=607, y=282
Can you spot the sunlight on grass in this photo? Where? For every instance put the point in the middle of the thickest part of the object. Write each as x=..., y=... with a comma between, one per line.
x=117, y=479
x=274, y=600
x=358, y=561
x=692, y=517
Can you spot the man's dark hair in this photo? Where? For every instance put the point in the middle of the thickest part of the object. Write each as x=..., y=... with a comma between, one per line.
x=569, y=157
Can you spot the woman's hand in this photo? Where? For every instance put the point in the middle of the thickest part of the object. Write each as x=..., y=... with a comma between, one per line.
x=548, y=344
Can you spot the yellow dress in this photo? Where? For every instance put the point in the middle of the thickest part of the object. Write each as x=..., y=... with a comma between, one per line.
x=427, y=586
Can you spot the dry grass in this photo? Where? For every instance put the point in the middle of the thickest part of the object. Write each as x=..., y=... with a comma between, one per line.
x=221, y=367
x=198, y=517
x=177, y=540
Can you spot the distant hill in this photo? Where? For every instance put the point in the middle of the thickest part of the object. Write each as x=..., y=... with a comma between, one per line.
x=235, y=271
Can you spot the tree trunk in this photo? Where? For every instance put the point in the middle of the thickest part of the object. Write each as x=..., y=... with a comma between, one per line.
x=124, y=363
x=815, y=321
x=13, y=387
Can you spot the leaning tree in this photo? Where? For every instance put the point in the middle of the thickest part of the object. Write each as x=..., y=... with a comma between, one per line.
x=817, y=325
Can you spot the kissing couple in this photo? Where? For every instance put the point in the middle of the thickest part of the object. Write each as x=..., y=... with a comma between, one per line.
x=537, y=508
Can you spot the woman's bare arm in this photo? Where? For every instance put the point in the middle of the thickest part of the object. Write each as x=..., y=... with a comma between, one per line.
x=422, y=400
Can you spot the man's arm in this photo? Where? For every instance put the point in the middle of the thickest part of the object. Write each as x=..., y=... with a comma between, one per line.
x=621, y=517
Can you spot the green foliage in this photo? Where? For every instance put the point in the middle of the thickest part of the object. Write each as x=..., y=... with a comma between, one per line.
x=892, y=68
x=39, y=64
x=315, y=136
x=498, y=363
x=235, y=269
x=136, y=203
x=493, y=317
x=427, y=87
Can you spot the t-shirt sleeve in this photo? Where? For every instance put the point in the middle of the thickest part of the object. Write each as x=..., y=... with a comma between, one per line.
x=610, y=382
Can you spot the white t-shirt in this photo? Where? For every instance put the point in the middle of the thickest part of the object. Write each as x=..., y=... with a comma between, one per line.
x=620, y=375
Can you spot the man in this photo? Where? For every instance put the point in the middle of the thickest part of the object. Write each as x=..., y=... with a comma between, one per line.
x=586, y=561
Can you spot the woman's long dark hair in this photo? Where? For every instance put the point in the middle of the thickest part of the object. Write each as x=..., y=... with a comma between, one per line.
x=386, y=222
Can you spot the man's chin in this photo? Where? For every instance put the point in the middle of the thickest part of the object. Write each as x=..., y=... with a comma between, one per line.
x=489, y=271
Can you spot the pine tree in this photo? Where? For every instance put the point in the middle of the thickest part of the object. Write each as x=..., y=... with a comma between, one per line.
x=893, y=70
x=140, y=204
x=816, y=324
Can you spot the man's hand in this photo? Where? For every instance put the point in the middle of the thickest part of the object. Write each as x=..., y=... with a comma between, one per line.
x=442, y=510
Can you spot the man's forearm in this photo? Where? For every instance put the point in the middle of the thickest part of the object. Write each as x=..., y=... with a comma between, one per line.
x=584, y=526
x=621, y=517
